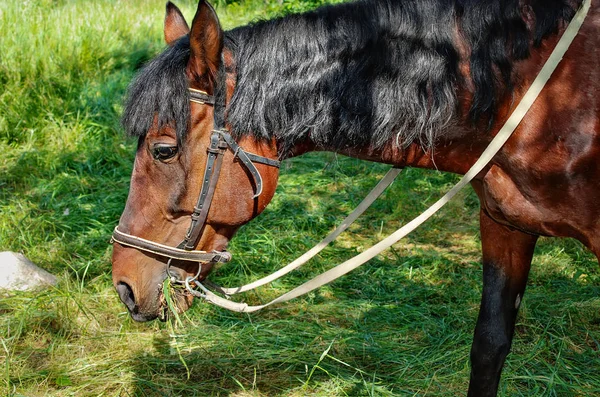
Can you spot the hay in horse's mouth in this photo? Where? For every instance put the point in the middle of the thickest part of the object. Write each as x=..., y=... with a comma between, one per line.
x=179, y=297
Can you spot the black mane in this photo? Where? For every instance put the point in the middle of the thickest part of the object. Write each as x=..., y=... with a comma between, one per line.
x=356, y=74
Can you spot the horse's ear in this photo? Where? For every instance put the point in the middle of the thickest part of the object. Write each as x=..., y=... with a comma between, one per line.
x=206, y=42
x=175, y=24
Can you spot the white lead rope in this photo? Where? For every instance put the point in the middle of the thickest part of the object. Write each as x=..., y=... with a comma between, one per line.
x=362, y=207
x=495, y=145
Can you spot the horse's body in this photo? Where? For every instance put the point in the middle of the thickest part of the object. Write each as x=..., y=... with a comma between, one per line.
x=421, y=84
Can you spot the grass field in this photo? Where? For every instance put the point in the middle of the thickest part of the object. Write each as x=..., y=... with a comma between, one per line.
x=399, y=326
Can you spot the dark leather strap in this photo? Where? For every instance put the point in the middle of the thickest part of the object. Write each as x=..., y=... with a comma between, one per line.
x=255, y=158
x=243, y=156
x=211, y=177
x=201, y=97
x=220, y=140
x=166, y=251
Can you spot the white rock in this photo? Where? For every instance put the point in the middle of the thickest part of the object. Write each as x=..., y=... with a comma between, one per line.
x=19, y=273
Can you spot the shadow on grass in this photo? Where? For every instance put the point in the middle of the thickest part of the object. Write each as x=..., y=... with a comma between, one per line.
x=335, y=341
x=391, y=328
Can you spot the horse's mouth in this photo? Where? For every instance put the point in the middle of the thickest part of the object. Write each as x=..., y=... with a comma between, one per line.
x=181, y=301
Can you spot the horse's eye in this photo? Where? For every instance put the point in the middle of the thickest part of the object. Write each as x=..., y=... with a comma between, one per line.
x=163, y=152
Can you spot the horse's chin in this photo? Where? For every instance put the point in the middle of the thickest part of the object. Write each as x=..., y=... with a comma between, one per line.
x=143, y=317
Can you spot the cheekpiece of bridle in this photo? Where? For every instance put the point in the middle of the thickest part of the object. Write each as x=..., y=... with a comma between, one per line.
x=220, y=142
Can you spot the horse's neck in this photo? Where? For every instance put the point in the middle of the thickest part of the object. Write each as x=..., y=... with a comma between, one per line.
x=457, y=144
x=454, y=153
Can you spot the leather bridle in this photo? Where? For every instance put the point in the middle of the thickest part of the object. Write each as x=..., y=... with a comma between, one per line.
x=220, y=142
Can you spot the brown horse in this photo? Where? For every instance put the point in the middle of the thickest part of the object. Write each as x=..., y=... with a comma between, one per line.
x=404, y=82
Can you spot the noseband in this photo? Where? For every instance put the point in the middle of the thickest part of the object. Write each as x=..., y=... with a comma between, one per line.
x=220, y=142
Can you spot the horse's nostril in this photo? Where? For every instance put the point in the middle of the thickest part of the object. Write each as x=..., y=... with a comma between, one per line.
x=126, y=295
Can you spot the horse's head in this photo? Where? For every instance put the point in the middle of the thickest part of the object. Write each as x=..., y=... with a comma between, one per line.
x=191, y=186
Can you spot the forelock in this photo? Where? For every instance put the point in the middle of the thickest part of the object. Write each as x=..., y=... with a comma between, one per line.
x=160, y=90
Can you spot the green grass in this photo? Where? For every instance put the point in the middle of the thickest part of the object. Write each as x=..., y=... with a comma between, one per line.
x=399, y=326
